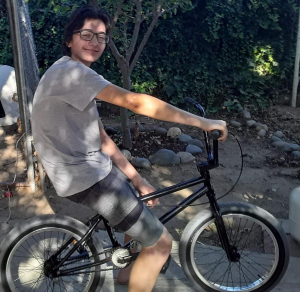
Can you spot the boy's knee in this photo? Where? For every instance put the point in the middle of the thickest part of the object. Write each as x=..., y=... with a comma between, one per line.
x=164, y=244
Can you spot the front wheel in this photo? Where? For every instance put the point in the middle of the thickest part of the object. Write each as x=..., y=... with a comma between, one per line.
x=27, y=247
x=256, y=235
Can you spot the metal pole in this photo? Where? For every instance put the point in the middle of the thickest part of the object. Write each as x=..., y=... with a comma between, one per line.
x=296, y=69
x=14, y=24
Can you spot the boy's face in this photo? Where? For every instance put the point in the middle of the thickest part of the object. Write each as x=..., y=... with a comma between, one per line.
x=84, y=51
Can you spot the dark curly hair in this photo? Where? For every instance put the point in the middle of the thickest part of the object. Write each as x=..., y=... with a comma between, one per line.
x=77, y=20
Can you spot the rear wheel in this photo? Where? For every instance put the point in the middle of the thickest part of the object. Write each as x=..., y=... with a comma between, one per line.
x=258, y=238
x=27, y=247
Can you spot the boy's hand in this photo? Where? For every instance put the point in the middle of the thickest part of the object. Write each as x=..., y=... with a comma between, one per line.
x=209, y=125
x=144, y=188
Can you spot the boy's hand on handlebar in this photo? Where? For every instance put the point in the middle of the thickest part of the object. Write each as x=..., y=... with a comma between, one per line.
x=209, y=125
x=145, y=188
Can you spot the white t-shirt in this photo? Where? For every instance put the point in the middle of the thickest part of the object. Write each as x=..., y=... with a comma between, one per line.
x=65, y=126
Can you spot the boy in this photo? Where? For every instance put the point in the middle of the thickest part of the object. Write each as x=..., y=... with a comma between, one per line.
x=82, y=162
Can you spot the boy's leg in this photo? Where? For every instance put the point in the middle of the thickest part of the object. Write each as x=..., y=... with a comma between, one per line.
x=149, y=263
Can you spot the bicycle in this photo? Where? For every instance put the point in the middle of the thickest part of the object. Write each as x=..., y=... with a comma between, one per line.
x=226, y=247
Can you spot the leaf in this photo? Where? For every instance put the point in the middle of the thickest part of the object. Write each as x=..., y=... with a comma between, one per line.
x=169, y=90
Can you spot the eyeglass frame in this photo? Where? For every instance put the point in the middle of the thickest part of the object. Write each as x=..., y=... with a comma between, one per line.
x=94, y=34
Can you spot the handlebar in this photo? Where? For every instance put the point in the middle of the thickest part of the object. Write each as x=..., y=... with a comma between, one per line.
x=215, y=134
x=213, y=158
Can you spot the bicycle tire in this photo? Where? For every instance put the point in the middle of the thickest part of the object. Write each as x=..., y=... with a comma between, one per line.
x=200, y=243
x=28, y=245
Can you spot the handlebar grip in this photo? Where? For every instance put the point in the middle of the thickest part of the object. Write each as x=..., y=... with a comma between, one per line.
x=215, y=134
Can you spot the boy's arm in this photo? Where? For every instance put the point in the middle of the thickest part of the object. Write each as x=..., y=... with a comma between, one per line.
x=108, y=146
x=155, y=108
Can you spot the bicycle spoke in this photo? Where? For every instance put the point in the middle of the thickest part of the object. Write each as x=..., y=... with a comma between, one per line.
x=249, y=237
x=27, y=264
x=214, y=267
x=224, y=274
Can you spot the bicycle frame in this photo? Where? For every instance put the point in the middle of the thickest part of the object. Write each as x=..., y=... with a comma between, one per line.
x=206, y=189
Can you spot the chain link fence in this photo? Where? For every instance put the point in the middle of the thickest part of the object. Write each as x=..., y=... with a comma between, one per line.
x=28, y=52
x=30, y=64
x=26, y=67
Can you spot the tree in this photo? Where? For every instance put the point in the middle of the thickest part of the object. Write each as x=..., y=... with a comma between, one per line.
x=127, y=43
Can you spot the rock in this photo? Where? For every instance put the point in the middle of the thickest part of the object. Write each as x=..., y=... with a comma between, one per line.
x=279, y=144
x=164, y=157
x=186, y=157
x=141, y=162
x=160, y=131
x=235, y=124
x=110, y=130
x=174, y=132
x=261, y=127
x=133, y=128
x=258, y=128
x=296, y=155
x=196, y=142
x=193, y=149
x=149, y=128
x=278, y=134
x=262, y=133
x=274, y=138
x=290, y=147
x=246, y=114
x=257, y=124
x=184, y=138
x=250, y=123
x=127, y=154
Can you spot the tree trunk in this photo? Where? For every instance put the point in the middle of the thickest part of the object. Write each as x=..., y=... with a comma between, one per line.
x=127, y=141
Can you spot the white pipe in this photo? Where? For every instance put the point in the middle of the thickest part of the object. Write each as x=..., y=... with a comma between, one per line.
x=296, y=69
x=15, y=31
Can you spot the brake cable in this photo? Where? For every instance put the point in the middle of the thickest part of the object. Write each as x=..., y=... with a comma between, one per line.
x=240, y=174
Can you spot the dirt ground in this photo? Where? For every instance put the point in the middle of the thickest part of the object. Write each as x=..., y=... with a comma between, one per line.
x=267, y=179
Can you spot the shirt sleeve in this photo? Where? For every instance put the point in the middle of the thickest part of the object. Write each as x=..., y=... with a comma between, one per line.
x=80, y=85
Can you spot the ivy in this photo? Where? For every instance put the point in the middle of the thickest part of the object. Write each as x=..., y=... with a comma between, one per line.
x=226, y=53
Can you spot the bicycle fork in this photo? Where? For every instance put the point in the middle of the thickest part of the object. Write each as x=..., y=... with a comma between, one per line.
x=231, y=251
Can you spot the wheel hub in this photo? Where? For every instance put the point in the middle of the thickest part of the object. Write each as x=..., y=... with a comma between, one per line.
x=48, y=269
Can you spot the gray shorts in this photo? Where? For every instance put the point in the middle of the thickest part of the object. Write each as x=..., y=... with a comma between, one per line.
x=115, y=200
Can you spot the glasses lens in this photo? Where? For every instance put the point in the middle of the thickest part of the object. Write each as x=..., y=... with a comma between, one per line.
x=103, y=39
x=86, y=35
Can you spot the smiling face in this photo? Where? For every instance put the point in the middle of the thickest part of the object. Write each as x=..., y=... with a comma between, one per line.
x=87, y=52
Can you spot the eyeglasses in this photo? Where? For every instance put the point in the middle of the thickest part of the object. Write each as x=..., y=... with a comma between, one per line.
x=87, y=35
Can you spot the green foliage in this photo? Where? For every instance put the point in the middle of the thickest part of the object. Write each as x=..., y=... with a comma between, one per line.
x=48, y=18
x=226, y=53
x=6, y=55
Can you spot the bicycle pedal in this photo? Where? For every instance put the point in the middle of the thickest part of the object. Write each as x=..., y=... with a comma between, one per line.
x=165, y=266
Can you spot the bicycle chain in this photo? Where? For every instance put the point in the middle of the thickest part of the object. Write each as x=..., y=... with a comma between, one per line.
x=94, y=271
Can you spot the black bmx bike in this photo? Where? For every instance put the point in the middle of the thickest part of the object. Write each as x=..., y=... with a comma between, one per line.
x=225, y=247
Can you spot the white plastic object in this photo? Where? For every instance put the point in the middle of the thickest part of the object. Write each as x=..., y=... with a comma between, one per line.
x=8, y=88
x=294, y=214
